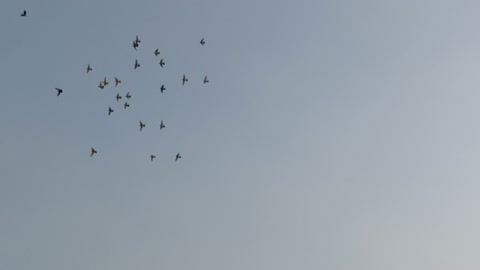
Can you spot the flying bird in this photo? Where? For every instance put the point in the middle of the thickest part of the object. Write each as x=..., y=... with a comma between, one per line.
x=142, y=125
x=24, y=14
x=202, y=41
x=162, y=126
x=117, y=81
x=101, y=86
x=157, y=52
x=93, y=152
x=162, y=63
x=59, y=91
x=89, y=68
x=105, y=83
x=109, y=110
x=137, y=40
x=177, y=157
x=126, y=105
x=184, y=79
x=205, y=80
x=136, y=64
x=162, y=88
x=152, y=157
x=135, y=45
x=128, y=95
x=118, y=97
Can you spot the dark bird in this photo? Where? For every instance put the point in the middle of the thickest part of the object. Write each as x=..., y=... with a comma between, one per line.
x=184, y=79
x=177, y=157
x=162, y=88
x=24, y=14
x=93, y=152
x=162, y=63
x=59, y=91
x=136, y=64
x=152, y=157
x=157, y=52
x=105, y=83
x=109, y=110
x=142, y=125
x=205, y=80
x=162, y=126
x=202, y=41
x=135, y=45
x=117, y=81
x=89, y=68
x=128, y=95
x=137, y=40
x=101, y=86
x=118, y=97
x=126, y=105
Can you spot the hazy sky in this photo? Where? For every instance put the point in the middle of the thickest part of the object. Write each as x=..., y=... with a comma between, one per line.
x=333, y=135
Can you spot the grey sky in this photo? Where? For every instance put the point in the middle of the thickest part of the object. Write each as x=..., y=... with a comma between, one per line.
x=333, y=135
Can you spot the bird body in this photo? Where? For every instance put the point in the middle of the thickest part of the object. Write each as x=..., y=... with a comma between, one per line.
x=93, y=151
x=205, y=80
x=136, y=64
x=110, y=110
x=202, y=41
x=162, y=63
x=89, y=68
x=118, y=97
x=128, y=95
x=117, y=81
x=142, y=125
x=24, y=14
x=162, y=126
x=184, y=79
x=59, y=91
x=162, y=88
x=126, y=105
x=152, y=157
x=157, y=52
x=177, y=157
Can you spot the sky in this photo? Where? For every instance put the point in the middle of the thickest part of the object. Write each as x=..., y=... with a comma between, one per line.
x=332, y=135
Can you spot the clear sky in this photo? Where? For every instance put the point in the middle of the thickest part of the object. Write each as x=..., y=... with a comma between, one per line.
x=332, y=135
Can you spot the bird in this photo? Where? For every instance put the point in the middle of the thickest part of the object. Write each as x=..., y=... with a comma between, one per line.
x=136, y=64
x=89, y=68
x=109, y=110
x=177, y=157
x=162, y=88
x=126, y=105
x=202, y=41
x=118, y=97
x=117, y=81
x=105, y=82
x=101, y=86
x=205, y=80
x=24, y=14
x=142, y=125
x=152, y=157
x=59, y=91
x=128, y=95
x=93, y=152
x=137, y=40
x=162, y=63
x=162, y=126
x=184, y=79
x=135, y=45
x=157, y=52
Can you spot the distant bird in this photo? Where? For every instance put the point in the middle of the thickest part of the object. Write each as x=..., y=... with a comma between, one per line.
x=136, y=64
x=152, y=157
x=184, y=79
x=202, y=41
x=137, y=40
x=162, y=88
x=126, y=105
x=142, y=125
x=93, y=152
x=59, y=91
x=135, y=45
x=128, y=95
x=101, y=86
x=118, y=97
x=162, y=63
x=205, y=80
x=157, y=52
x=24, y=14
x=109, y=110
x=117, y=81
x=89, y=68
x=105, y=82
x=162, y=126
x=177, y=157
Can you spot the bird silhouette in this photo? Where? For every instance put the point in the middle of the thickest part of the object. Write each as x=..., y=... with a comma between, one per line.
x=117, y=81
x=202, y=41
x=177, y=157
x=162, y=126
x=118, y=97
x=205, y=80
x=109, y=110
x=128, y=95
x=152, y=157
x=184, y=79
x=24, y=14
x=157, y=52
x=59, y=91
x=93, y=152
x=135, y=45
x=162, y=63
x=162, y=88
x=126, y=105
x=136, y=64
x=101, y=86
x=89, y=68
x=142, y=125
x=105, y=82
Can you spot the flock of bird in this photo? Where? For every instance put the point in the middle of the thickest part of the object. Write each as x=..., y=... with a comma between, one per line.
x=103, y=83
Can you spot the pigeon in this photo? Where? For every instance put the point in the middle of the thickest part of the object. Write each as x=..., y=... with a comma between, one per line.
x=202, y=41
x=126, y=105
x=118, y=97
x=59, y=91
x=109, y=110
x=101, y=86
x=135, y=45
x=93, y=152
x=162, y=63
x=184, y=79
x=157, y=52
x=137, y=40
x=162, y=88
x=162, y=126
x=117, y=81
x=128, y=95
x=105, y=83
x=205, y=80
x=89, y=68
x=24, y=14
x=177, y=157
x=136, y=64
x=142, y=125
x=152, y=157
